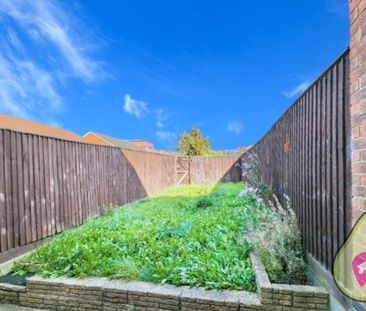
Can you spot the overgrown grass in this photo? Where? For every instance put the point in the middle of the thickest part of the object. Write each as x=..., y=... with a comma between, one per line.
x=283, y=253
x=188, y=235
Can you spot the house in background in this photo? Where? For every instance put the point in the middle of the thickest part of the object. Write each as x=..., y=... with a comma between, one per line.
x=36, y=128
x=102, y=139
x=143, y=143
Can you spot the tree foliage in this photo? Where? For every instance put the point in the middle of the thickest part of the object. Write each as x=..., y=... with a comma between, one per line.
x=193, y=144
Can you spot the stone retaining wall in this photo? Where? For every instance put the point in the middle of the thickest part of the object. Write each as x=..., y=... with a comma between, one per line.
x=287, y=297
x=106, y=295
x=10, y=293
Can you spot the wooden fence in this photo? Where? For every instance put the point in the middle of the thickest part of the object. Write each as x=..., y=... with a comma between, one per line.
x=48, y=184
x=305, y=156
x=214, y=169
x=155, y=171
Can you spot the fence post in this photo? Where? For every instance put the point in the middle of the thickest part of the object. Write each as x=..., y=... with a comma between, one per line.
x=358, y=107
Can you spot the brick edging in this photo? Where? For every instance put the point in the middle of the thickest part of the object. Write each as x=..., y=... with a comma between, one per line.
x=287, y=297
x=113, y=295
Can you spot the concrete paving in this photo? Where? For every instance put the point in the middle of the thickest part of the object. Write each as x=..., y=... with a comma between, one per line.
x=6, y=307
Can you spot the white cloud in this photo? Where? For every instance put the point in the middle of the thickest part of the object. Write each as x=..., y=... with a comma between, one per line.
x=161, y=117
x=24, y=87
x=48, y=21
x=43, y=86
x=235, y=127
x=168, y=138
x=138, y=108
x=43, y=43
x=14, y=39
x=297, y=90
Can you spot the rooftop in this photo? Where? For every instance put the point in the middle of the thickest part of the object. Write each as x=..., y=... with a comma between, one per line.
x=31, y=127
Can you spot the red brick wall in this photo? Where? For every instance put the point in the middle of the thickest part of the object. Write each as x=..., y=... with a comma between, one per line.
x=358, y=105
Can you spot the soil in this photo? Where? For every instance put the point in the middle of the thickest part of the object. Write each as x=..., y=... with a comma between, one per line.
x=15, y=279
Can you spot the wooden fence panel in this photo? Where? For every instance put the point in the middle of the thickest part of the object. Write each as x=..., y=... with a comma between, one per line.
x=48, y=184
x=155, y=171
x=214, y=169
x=304, y=156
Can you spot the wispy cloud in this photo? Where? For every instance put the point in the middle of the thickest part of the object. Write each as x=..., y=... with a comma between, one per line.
x=26, y=87
x=30, y=84
x=10, y=84
x=297, y=90
x=49, y=22
x=138, y=108
x=14, y=39
x=235, y=127
x=161, y=118
x=167, y=138
x=183, y=73
x=164, y=126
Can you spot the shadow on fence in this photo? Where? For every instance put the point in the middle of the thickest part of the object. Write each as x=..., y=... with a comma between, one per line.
x=48, y=185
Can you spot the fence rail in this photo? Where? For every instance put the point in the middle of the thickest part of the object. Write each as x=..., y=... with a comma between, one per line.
x=305, y=156
x=48, y=184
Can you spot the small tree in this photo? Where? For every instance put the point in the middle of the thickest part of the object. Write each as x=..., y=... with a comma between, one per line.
x=193, y=144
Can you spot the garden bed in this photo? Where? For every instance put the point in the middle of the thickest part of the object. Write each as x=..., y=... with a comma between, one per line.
x=188, y=235
x=113, y=295
x=191, y=240
x=287, y=297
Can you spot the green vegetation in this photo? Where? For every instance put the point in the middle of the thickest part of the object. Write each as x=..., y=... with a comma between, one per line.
x=283, y=253
x=188, y=235
x=193, y=144
x=275, y=236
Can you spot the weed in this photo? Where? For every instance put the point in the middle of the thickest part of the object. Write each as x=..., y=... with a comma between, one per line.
x=204, y=203
x=276, y=238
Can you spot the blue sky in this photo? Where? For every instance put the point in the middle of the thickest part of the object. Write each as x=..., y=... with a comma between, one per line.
x=150, y=69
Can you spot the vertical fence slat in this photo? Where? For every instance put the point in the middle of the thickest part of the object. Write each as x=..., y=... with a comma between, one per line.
x=42, y=191
x=313, y=170
x=56, y=179
x=3, y=215
x=67, y=195
x=307, y=171
x=14, y=188
x=27, y=197
x=8, y=190
x=323, y=170
x=77, y=178
x=71, y=180
x=32, y=191
x=47, y=201
x=341, y=151
x=328, y=193
x=20, y=178
x=334, y=154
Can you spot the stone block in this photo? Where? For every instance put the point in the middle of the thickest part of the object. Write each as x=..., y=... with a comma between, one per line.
x=193, y=305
